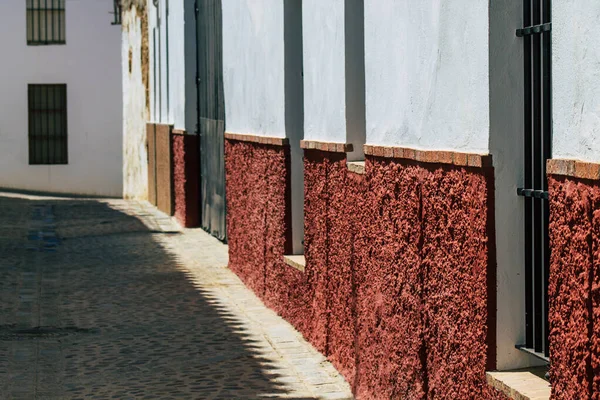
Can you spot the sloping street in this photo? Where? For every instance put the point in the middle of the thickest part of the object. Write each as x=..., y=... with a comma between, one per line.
x=109, y=299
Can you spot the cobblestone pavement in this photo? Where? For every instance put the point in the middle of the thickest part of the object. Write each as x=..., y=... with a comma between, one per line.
x=109, y=299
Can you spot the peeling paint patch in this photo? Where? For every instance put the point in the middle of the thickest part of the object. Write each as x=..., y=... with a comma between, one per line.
x=136, y=100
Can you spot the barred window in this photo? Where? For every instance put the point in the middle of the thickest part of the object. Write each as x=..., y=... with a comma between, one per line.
x=45, y=22
x=47, y=124
x=117, y=12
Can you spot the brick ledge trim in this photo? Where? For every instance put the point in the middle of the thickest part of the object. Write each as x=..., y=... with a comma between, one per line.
x=573, y=168
x=431, y=156
x=332, y=147
x=274, y=141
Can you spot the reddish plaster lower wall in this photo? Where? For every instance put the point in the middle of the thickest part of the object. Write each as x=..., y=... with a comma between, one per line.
x=257, y=187
x=574, y=287
x=396, y=290
x=185, y=179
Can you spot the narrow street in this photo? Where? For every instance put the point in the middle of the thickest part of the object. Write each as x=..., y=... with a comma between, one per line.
x=109, y=299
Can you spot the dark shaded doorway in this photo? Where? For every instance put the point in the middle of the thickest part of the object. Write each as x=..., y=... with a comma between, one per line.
x=211, y=116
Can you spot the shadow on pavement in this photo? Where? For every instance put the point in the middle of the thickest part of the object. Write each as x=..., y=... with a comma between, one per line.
x=115, y=315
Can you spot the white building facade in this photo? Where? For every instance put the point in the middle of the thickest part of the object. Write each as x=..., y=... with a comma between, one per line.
x=61, y=97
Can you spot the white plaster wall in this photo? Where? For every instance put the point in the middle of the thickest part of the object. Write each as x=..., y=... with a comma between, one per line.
x=164, y=49
x=90, y=65
x=324, y=70
x=172, y=62
x=253, y=67
x=135, y=111
x=158, y=71
x=427, y=74
x=576, y=80
x=177, y=63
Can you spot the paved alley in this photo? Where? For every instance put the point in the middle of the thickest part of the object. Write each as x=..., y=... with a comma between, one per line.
x=109, y=299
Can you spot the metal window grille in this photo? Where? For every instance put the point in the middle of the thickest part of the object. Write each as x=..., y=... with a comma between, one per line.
x=537, y=146
x=48, y=124
x=117, y=12
x=46, y=22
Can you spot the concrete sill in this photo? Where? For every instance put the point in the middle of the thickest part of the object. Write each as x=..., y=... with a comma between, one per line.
x=358, y=167
x=296, y=261
x=521, y=384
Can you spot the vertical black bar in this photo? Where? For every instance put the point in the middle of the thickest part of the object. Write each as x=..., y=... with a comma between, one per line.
x=538, y=178
x=59, y=126
x=60, y=17
x=46, y=21
x=65, y=125
x=547, y=82
x=47, y=122
x=39, y=14
x=52, y=16
x=56, y=153
x=31, y=141
x=29, y=25
x=527, y=136
x=38, y=123
x=60, y=136
x=49, y=116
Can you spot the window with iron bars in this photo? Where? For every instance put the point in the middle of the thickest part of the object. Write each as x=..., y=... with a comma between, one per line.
x=48, y=124
x=117, y=12
x=537, y=150
x=46, y=22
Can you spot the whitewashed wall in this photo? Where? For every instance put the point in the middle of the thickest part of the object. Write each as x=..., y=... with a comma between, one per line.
x=177, y=63
x=576, y=80
x=172, y=63
x=135, y=110
x=253, y=66
x=90, y=65
x=334, y=72
x=324, y=70
x=427, y=74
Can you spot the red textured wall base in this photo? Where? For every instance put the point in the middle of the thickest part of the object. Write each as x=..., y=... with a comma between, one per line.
x=185, y=179
x=398, y=290
x=574, y=288
x=403, y=275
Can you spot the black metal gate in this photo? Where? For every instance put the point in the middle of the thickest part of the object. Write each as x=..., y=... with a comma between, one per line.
x=537, y=145
x=211, y=115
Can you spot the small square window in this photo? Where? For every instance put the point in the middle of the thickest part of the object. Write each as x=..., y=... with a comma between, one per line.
x=47, y=124
x=45, y=22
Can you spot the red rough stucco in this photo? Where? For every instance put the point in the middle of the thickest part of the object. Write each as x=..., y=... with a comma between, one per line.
x=593, y=323
x=185, y=179
x=391, y=326
x=256, y=187
x=259, y=228
x=395, y=291
x=344, y=212
x=456, y=265
x=574, y=240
